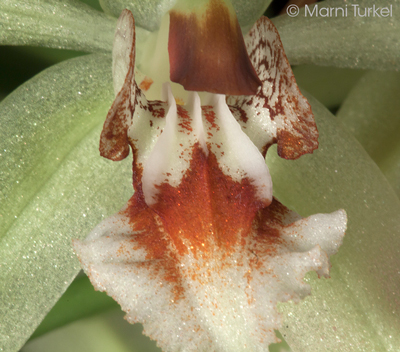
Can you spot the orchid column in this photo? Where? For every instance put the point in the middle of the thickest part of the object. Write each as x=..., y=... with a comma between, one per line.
x=202, y=253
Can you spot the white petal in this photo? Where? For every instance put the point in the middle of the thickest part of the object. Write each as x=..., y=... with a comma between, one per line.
x=322, y=229
x=215, y=129
x=237, y=156
x=130, y=110
x=278, y=113
x=123, y=52
x=171, y=155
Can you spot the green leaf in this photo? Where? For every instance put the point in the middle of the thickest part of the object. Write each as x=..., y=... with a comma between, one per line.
x=56, y=24
x=79, y=301
x=248, y=12
x=106, y=332
x=93, y=3
x=314, y=80
x=371, y=113
x=54, y=186
x=340, y=40
x=20, y=63
x=357, y=309
x=147, y=14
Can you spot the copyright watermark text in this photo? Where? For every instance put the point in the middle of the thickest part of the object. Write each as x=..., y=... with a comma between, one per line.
x=353, y=10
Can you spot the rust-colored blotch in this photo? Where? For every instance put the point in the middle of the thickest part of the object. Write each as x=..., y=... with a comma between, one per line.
x=146, y=84
x=208, y=211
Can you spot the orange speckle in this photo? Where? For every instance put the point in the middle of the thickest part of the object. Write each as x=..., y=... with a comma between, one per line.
x=146, y=84
x=179, y=101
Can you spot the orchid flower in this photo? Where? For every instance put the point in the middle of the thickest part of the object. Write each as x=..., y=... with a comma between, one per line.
x=201, y=253
x=55, y=187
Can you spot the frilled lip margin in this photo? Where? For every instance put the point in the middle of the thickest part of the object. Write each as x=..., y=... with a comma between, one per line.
x=202, y=253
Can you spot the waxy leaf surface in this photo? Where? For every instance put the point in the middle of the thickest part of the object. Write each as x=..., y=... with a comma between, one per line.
x=54, y=186
x=56, y=24
x=343, y=41
x=371, y=113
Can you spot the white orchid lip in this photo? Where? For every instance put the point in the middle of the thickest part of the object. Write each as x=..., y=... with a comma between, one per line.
x=214, y=289
x=202, y=253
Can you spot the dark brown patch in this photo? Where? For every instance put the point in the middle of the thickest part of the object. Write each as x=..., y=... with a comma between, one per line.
x=156, y=108
x=207, y=53
x=240, y=112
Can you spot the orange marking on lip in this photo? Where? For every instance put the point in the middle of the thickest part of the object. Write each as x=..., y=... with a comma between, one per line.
x=146, y=84
x=179, y=101
x=185, y=119
x=207, y=212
